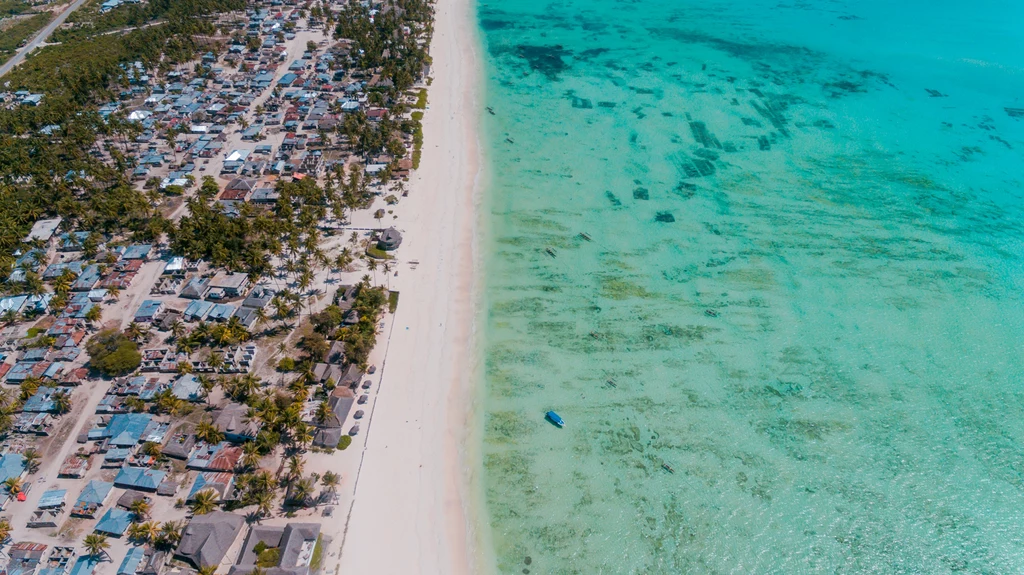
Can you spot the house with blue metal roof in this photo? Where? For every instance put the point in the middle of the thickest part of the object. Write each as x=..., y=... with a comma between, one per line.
x=114, y=522
x=42, y=401
x=133, y=561
x=85, y=565
x=92, y=498
x=148, y=311
x=88, y=279
x=221, y=312
x=141, y=478
x=11, y=465
x=137, y=251
x=198, y=310
x=187, y=388
x=52, y=499
x=220, y=482
x=123, y=429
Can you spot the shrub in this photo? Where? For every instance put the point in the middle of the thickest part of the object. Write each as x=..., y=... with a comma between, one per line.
x=112, y=353
x=344, y=442
x=268, y=557
x=378, y=254
x=286, y=364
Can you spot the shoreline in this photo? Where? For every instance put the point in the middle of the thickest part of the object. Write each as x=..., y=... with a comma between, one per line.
x=417, y=502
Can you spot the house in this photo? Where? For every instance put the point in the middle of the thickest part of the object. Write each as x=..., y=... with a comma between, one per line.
x=232, y=284
x=42, y=401
x=206, y=540
x=43, y=230
x=133, y=561
x=52, y=499
x=196, y=288
x=197, y=310
x=232, y=420
x=114, y=522
x=12, y=465
x=175, y=266
x=389, y=240
x=329, y=432
x=295, y=543
x=141, y=478
x=180, y=446
x=220, y=457
x=148, y=311
x=187, y=388
x=93, y=496
x=221, y=312
x=84, y=565
x=74, y=467
x=25, y=557
x=220, y=482
x=124, y=429
x=137, y=252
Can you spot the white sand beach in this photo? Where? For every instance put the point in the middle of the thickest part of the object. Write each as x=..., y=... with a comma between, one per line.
x=411, y=511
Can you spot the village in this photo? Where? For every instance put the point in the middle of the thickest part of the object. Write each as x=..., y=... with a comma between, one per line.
x=170, y=406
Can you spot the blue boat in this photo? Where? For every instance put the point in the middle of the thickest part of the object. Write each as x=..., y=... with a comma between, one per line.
x=555, y=418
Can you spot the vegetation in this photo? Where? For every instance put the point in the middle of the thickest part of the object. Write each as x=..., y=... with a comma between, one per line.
x=317, y=559
x=112, y=353
x=96, y=544
x=22, y=30
x=344, y=442
x=204, y=502
x=268, y=557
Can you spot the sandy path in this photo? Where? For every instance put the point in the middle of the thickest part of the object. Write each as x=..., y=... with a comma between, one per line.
x=410, y=513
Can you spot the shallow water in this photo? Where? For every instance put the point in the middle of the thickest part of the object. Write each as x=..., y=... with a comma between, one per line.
x=800, y=293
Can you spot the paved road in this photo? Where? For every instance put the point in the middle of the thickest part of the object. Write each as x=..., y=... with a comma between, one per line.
x=40, y=37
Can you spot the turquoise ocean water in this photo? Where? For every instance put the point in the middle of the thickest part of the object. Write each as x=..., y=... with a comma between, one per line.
x=801, y=293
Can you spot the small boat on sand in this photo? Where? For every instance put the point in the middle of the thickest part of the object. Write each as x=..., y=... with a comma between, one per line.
x=555, y=418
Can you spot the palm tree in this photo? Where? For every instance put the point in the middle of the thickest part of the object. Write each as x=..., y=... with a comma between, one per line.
x=330, y=481
x=135, y=332
x=204, y=502
x=5, y=530
x=170, y=534
x=31, y=459
x=371, y=264
x=323, y=412
x=151, y=531
x=140, y=509
x=247, y=385
x=208, y=432
x=96, y=544
x=295, y=467
x=62, y=401
x=114, y=292
x=251, y=455
x=207, y=383
x=177, y=329
x=302, y=435
x=137, y=532
x=13, y=485
x=264, y=501
x=386, y=268
x=301, y=491
x=261, y=316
